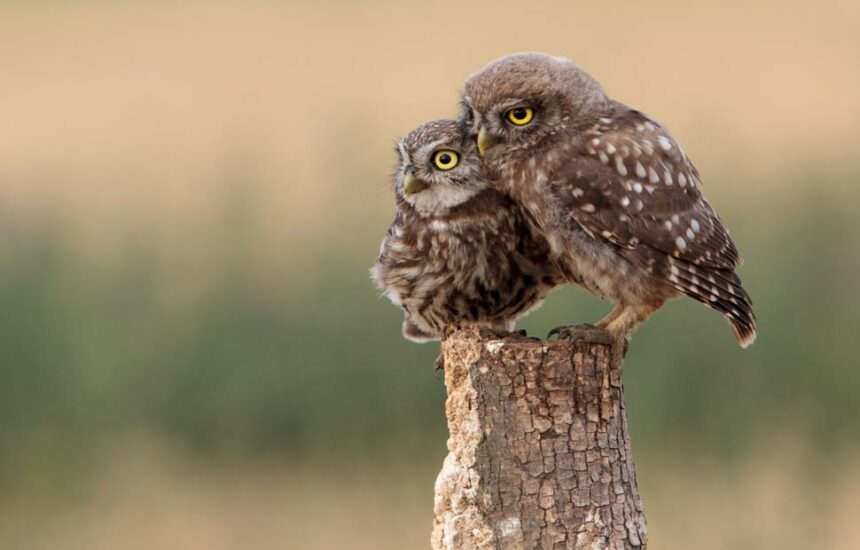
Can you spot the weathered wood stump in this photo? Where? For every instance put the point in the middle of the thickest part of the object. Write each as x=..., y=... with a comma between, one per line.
x=539, y=453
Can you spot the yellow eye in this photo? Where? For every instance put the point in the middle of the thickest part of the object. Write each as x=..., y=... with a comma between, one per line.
x=445, y=159
x=520, y=115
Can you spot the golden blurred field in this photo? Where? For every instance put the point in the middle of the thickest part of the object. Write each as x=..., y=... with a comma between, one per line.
x=121, y=116
x=191, y=194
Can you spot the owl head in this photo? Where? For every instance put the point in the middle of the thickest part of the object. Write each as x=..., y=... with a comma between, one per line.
x=520, y=101
x=438, y=169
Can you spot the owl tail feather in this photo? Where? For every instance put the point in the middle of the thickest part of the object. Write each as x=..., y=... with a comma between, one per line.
x=744, y=332
x=719, y=289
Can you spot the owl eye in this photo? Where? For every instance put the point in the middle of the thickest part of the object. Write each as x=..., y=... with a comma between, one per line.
x=445, y=159
x=520, y=116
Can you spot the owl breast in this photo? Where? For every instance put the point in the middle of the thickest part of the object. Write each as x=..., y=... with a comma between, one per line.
x=479, y=267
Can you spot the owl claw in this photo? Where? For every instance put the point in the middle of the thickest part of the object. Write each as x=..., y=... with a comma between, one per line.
x=500, y=334
x=439, y=363
x=493, y=333
x=582, y=333
x=523, y=335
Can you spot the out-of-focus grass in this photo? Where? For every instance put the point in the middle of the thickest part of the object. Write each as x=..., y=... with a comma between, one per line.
x=142, y=498
x=317, y=366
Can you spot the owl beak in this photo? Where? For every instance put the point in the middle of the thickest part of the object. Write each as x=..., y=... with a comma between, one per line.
x=412, y=185
x=485, y=141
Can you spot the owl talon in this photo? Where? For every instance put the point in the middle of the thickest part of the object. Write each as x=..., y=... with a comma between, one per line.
x=439, y=363
x=494, y=333
x=521, y=334
x=582, y=333
x=500, y=334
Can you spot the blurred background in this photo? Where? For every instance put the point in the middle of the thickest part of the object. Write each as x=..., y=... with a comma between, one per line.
x=191, y=194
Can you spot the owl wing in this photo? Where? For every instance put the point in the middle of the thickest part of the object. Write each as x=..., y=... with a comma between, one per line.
x=630, y=183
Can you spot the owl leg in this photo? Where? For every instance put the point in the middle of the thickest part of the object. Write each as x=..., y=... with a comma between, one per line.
x=611, y=316
x=624, y=319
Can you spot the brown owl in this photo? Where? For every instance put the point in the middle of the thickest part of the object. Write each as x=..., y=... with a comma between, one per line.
x=614, y=194
x=458, y=251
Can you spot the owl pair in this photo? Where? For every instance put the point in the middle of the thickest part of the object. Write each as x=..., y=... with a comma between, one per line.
x=543, y=181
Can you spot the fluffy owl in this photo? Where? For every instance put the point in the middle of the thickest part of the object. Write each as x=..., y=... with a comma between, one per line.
x=614, y=194
x=458, y=251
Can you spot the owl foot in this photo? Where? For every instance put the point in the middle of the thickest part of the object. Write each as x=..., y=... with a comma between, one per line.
x=591, y=334
x=582, y=333
x=521, y=336
x=493, y=333
x=500, y=334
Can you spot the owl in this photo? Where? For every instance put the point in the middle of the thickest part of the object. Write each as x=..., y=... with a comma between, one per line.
x=610, y=189
x=458, y=251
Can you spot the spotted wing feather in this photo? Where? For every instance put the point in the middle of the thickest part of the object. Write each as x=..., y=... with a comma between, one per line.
x=631, y=184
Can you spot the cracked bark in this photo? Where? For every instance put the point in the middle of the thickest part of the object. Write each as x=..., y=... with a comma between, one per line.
x=538, y=453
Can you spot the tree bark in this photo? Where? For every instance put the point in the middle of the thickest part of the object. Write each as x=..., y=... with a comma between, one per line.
x=539, y=453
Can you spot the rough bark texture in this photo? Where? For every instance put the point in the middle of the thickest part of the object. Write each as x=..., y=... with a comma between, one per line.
x=538, y=454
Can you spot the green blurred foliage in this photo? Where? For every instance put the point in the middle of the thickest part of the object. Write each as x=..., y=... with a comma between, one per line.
x=315, y=368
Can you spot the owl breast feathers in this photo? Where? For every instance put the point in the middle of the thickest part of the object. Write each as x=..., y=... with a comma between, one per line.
x=610, y=189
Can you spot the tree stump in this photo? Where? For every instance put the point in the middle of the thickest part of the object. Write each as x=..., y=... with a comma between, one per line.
x=539, y=453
